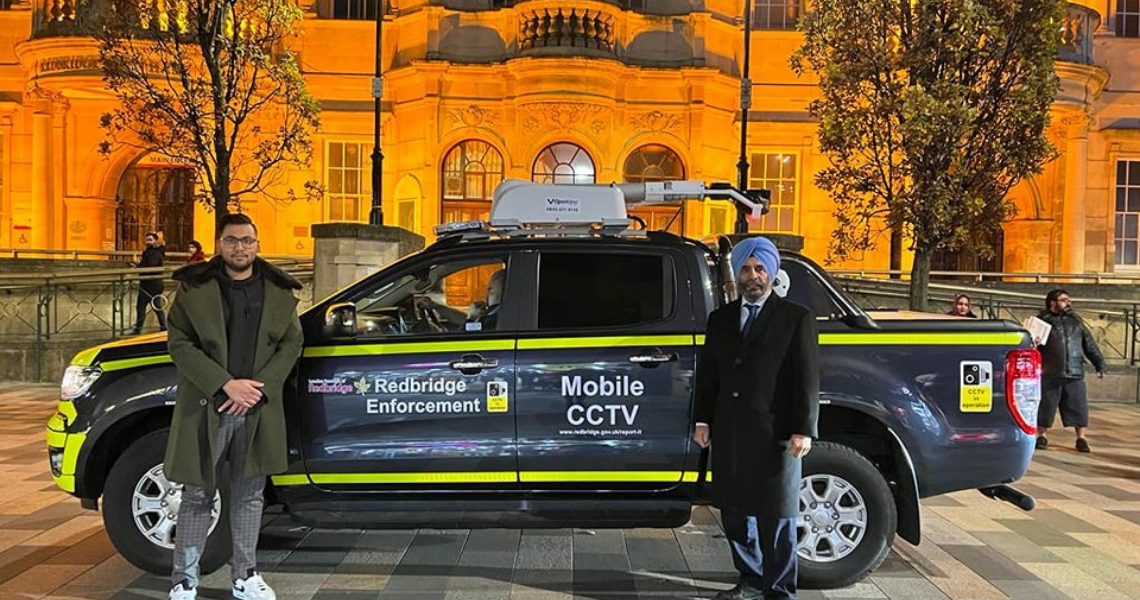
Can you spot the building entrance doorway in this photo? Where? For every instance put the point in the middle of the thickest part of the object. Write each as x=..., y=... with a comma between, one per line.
x=155, y=198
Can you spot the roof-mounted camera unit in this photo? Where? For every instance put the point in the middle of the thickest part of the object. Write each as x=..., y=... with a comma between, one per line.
x=523, y=205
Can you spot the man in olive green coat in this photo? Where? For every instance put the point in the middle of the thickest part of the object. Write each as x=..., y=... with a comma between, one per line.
x=234, y=337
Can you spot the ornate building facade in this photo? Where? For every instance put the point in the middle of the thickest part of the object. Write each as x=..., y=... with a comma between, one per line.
x=476, y=91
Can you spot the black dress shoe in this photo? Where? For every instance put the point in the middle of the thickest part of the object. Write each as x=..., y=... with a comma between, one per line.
x=742, y=591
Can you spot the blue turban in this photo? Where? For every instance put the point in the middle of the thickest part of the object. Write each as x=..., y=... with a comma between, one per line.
x=764, y=251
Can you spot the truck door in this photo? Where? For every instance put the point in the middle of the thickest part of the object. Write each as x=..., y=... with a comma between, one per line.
x=606, y=358
x=421, y=396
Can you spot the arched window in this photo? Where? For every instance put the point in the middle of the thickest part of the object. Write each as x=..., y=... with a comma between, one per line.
x=471, y=172
x=654, y=162
x=563, y=163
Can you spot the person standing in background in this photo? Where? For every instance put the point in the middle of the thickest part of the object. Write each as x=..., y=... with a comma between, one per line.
x=150, y=286
x=1063, y=370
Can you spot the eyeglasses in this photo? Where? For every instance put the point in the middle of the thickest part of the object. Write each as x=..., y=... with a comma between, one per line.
x=230, y=241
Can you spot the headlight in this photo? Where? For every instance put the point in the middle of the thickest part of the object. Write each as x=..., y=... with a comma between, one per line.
x=77, y=380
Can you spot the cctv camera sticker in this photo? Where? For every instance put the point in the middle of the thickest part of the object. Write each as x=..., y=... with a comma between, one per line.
x=497, y=397
x=782, y=284
x=976, y=386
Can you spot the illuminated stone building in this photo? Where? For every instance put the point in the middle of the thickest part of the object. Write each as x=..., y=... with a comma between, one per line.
x=567, y=90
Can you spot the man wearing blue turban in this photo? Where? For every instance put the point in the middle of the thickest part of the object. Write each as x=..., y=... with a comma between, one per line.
x=757, y=399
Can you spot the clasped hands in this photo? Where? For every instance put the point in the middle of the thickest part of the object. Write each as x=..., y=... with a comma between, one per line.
x=241, y=396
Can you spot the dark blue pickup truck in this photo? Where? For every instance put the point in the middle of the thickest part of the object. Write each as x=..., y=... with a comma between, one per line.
x=411, y=407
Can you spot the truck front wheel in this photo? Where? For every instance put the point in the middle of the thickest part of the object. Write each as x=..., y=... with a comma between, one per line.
x=140, y=510
x=847, y=517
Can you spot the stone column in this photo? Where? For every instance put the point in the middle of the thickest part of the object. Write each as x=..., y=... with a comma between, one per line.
x=6, y=183
x=1102, y=27
x=60, y=220
x=43, y=213
x=1073, y=214
x=346, y=252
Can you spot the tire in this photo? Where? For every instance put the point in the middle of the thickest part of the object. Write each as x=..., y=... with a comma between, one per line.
x=839, y=548
x=137, y=479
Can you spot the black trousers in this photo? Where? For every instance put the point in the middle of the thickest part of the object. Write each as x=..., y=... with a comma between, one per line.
x=764, y=552
x=147, y=299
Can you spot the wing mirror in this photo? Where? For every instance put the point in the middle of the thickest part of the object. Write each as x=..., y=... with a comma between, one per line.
x=340, y=320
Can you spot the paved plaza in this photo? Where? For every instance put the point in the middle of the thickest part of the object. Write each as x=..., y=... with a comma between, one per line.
x=1083, y=541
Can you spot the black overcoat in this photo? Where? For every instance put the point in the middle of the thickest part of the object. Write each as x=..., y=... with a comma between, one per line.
x=755, y=393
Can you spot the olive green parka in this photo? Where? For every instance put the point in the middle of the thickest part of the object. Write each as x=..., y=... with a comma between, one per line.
x=199, y=348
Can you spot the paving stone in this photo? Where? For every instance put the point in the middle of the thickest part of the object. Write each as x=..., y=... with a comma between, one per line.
x=1041, y=534
x=988, y=563
x=1017, y=548
x=1063, y=521
x=1039, y=492
x=1111, y=492
x=1028, y=590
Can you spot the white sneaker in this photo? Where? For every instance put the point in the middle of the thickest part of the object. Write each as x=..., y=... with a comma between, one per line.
x=181, y=593
x=251, y=588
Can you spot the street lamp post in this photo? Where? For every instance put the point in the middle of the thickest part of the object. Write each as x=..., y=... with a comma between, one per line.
x=745, y=105
x=376, y=215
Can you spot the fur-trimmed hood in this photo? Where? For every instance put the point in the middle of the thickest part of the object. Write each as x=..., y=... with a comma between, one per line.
x=196, y=274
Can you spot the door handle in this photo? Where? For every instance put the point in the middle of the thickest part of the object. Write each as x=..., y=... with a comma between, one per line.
x=471, y=364
x=652, y=358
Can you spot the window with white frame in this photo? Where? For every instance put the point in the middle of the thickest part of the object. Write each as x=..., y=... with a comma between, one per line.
x=776, y=172
x=1128, y=18
x=563, y=162
x=346, y=181
x=1127, y=229
x=776, y=14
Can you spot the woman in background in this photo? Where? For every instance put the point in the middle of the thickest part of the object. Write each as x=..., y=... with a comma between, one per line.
x=962, y=307
x=196, y=254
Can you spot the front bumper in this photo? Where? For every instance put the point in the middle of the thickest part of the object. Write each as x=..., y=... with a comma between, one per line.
x=63, y=446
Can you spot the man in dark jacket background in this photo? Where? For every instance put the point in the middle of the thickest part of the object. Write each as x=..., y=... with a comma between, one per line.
x=1063, y=369
x=757, y=402
x=150, y=287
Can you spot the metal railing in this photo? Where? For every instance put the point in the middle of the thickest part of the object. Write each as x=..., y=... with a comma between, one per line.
x=130, y=255
x=86, y=306
x=1126, y=278
x=1115, y=323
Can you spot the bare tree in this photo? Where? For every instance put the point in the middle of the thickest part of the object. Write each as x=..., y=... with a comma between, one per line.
x=211, y=83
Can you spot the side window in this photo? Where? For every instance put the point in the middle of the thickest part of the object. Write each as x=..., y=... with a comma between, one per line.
x=803, y=287
x=453, y=296
x=586, y=290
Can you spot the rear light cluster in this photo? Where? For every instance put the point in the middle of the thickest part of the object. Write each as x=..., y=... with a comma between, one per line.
x=1023, y=387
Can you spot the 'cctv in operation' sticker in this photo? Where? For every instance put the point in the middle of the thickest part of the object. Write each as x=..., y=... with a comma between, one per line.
x=977, y=386
x=497, y=397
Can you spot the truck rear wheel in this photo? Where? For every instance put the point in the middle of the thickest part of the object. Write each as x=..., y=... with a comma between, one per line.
x=848, y=517
x=140, y=510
